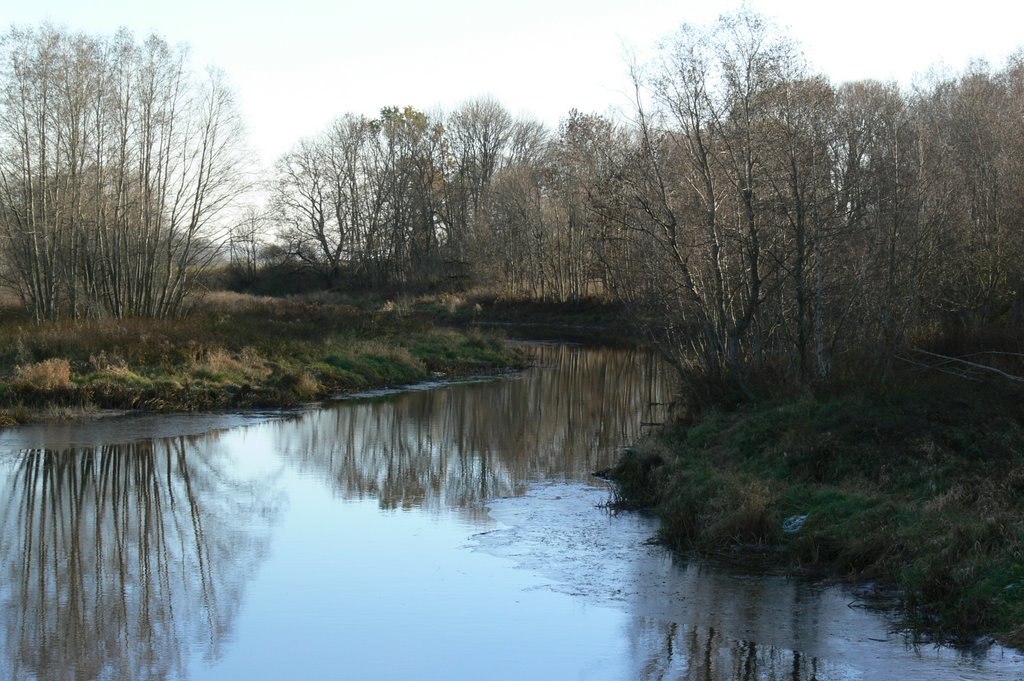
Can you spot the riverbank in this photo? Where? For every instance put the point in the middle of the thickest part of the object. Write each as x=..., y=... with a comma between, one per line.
x=232, y=351
x=589, y=321
x=920, y=492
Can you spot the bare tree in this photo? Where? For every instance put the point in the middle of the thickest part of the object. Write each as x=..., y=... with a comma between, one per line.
x=302, y=200
x=699, y=188
x=248, y=242
x=116, y=167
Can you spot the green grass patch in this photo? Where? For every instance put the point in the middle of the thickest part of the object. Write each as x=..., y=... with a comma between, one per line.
x=922, y=489
x=444, y=349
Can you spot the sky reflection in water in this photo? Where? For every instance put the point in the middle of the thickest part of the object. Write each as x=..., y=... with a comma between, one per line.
x=354, y=542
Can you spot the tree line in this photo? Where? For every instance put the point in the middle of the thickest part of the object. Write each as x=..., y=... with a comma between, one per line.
x=418, y=201
x=116, y=161
x=414, y=201
x=767, y=219
x=753, y=215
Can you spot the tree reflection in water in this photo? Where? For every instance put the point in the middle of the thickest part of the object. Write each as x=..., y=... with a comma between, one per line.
x=711, y=623
x=666, y=650
x=449, y=448
x=122, y=558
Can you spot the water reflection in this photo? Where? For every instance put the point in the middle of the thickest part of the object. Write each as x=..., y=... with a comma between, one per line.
x=693, y=619
x=699, y=622
x=451, y=447
x=119, y=558
x=683, y=652
x=131, y=561
x=667, y=650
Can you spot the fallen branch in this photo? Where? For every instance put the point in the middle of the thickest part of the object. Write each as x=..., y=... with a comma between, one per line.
x=939, y=367
x=1000, y=353
x=959, y=360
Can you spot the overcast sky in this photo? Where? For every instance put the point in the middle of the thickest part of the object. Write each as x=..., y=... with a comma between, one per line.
x=298, y=64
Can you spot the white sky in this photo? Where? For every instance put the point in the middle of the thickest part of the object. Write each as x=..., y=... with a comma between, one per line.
x=298, y=64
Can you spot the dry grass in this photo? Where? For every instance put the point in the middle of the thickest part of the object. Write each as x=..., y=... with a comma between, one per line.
x=301, y=385
x=744, y=514
x=231, y=301
x=231, y=350
x=449, y=303
x=379, y=348
x=107, y=362
x=400, y=307
x=219, y=362
x=50, y=374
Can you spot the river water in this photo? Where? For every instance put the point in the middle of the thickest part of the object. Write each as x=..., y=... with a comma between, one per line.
x=447, y=532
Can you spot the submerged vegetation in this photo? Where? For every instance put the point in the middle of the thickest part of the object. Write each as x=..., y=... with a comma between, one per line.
x=920, y=490
x=233, y=351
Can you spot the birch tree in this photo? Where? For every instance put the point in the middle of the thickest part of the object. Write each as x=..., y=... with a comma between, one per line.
x=117, y=165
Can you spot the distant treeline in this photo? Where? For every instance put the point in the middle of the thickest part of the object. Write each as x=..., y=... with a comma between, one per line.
x=754, y=215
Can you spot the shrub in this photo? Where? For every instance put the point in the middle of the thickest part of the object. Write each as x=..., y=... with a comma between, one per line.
x=298, y=384
x=50, y=374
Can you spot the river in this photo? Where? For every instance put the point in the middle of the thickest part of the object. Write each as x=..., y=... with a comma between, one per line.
x=445, y=532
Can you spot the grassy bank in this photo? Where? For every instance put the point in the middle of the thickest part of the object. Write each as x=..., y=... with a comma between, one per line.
x=232, y=351
x=922, y=491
